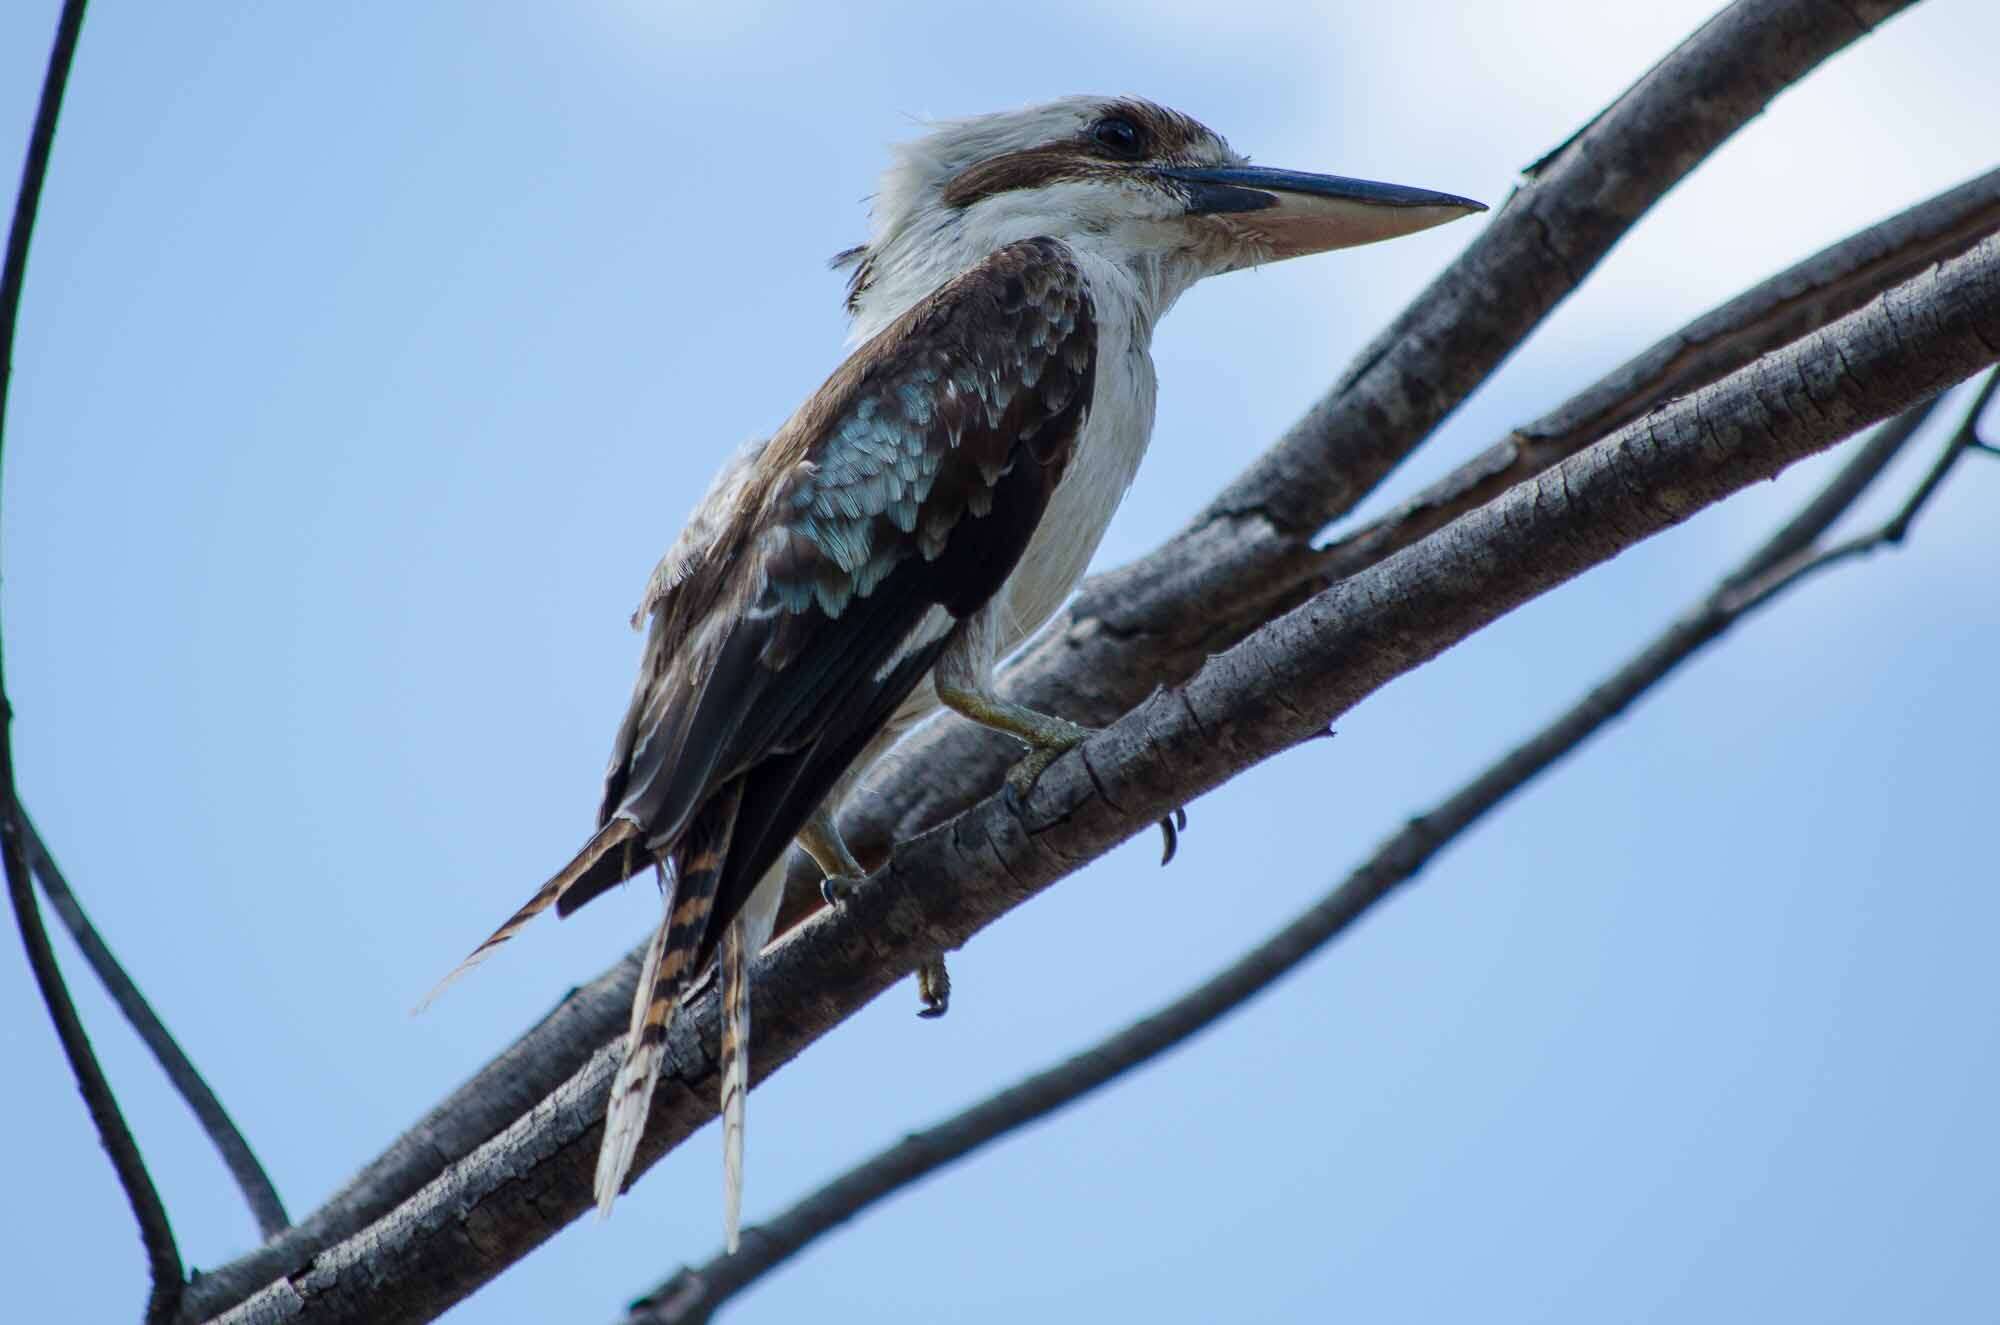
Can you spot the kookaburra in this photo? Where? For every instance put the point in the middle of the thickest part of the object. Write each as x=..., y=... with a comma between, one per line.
x=915, y=519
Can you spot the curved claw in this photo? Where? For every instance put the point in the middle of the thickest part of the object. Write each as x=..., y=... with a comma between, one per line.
x=1171, y=829
x=934, y=988
x=835, y=889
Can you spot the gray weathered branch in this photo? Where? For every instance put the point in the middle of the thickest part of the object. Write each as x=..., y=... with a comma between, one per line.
x=1566, y=215
x=1697, y=95
x=1276, y=690
x=1155, y=621
x=1829, y=284
x=1760, y=583
x=692, y=1294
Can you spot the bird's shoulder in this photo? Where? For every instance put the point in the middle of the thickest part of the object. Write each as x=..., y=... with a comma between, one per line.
x=913, y=432
x=892, y=505
x=705, y=527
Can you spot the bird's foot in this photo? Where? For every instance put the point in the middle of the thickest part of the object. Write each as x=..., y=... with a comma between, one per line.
x=1048, y=739
x=933, y=988
x=839, y=871
x=837, y=888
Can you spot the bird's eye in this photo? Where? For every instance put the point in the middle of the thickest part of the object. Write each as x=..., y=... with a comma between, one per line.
x=1119, y=136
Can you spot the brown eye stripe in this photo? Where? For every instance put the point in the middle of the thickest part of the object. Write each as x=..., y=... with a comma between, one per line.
x=1167, y=134
x=1033, y=168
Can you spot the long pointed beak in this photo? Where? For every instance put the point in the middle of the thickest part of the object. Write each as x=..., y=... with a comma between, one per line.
x=1295, y=213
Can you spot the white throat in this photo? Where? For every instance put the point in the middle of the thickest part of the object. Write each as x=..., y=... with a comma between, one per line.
x=936, y=243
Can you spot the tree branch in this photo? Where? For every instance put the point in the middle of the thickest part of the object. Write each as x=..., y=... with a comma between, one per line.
x=1276, y=690
x=1758, y=583
x=692, y=1294
x=250, y=1177
x=1156, y=620
x=1104, y=660
x=1551, y=233
x=1829, y=284
x=162, y=1256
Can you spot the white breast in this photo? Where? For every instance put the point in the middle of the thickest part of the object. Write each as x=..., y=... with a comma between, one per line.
x=1102, y=466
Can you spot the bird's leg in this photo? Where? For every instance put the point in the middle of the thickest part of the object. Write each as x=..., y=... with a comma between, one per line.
x=1047, y=737
x=822, y=841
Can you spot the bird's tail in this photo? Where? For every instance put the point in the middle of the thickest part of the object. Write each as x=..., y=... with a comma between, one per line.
x=735, y=1071
x=689, y=899
x=617, y=833
x=645, y=1043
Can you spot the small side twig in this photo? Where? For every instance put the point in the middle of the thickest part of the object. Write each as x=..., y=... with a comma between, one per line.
x=694, y=1293
x=154, y=1230
x=242, y=1163
x=1751, y=591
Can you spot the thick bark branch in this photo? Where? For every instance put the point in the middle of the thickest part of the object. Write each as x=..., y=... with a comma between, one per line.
x=1574, y=205
x=1154, y=622
x=692, y=1294
x=1274, y=691
x=1829, y=284
x=1104, y=661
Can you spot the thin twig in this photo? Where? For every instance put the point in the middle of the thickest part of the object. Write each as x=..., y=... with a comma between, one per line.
x=693, y=1294
x=1752, y=589
x=256, y=1186
x=162, y=1255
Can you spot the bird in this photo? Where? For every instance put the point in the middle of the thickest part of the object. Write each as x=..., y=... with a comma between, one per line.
x=914, y=520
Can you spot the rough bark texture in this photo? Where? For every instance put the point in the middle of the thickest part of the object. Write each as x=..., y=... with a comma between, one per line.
x=1829, y=284
x=694, y=1293
x=1252, y=554
x=1129, y=630
x=1140, y=627
x=1572, y=207
x=1277, y=689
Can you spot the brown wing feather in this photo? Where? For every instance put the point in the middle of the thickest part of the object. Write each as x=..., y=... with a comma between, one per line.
x=912, y=480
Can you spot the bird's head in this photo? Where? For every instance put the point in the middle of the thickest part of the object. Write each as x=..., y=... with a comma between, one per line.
x=1148, y=188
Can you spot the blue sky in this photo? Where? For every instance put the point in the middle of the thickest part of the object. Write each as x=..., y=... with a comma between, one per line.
x=372, y=353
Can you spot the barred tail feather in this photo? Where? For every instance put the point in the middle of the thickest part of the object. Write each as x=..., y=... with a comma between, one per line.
x=632, y=1089
x=735, y=1071
x=670, y=967
x=619, y=832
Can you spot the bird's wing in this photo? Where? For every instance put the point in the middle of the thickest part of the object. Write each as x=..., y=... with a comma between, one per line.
x=835, y=561
x=705, y=526
x=891, y=506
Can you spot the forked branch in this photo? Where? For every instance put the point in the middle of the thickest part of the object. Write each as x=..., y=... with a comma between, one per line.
x=692, y=1294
